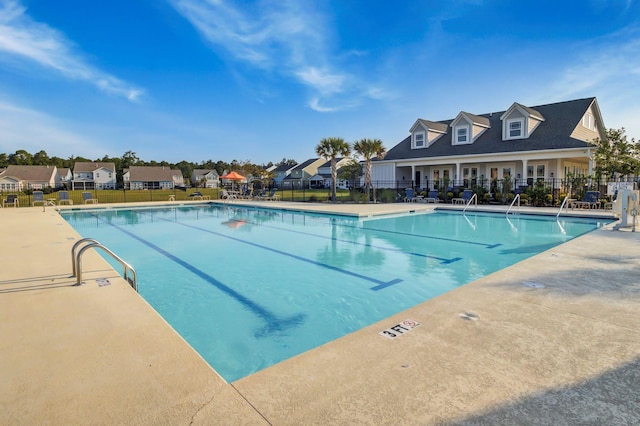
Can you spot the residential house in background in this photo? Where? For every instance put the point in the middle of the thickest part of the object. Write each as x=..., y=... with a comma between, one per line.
x=178, y=178
x=148, y=177
x=322, y=179
x=281, y=172
x=93, y=175
x=302, y=173
x=521, y=143
x=205, y=178
x=65, y=176
x=20, y=178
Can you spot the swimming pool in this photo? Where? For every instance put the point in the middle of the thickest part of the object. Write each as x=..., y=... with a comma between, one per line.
x=249, y=287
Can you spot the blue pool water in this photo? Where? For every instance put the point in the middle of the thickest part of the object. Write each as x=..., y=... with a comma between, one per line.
x=249, y=287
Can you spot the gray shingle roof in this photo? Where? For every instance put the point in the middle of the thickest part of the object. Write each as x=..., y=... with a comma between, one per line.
x=150, y=174
x=553, y=133
x=434, y=125
x=483, y=121
x=30, y=173
x=305, y=164
x=203, y=172
x=91, y=166
x=283, y=168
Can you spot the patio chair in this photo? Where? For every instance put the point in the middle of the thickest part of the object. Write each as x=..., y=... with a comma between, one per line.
x=591, y=199
x=273, y=196
x=225, y=195
x=432, y=197
x=88, y=198
x=410, y=196
x=11, y=200
x=63, y=198
x=38, y=197
x=464, y=198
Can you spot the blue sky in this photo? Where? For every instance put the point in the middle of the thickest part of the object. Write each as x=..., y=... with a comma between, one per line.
x=260, y=81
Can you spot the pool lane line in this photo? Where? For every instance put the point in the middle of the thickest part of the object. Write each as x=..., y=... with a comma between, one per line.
x=274, y=322
x=489, y=246
x=443, y=260
x=293, y=256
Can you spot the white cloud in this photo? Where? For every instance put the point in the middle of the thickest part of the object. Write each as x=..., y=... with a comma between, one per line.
x=21, y=37
x=323, y=80
x=31, y=130
x=287, y=37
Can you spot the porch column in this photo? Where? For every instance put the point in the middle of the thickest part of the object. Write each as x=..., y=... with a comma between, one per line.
x=524, y=173
x=413, y=175
x=457, y=178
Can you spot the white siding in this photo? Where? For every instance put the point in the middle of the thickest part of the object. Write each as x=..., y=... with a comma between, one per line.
x=383, y=172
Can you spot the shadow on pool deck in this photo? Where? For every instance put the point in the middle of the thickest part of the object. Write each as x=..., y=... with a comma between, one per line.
x=497, y=351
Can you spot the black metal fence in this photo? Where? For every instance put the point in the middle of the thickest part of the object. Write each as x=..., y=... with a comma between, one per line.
x=539, y=192
x=79, y=197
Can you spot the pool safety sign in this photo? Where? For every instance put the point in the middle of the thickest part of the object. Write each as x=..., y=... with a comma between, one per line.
x=399, y=329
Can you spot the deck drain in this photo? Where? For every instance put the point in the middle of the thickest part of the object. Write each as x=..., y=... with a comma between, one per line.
x=469, y=316
x=533, y=284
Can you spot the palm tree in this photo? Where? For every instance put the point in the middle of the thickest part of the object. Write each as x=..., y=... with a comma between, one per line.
x=369, y=149
x=330, y=149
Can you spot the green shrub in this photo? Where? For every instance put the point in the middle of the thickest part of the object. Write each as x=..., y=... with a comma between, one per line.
x=386, y=195
x=358, y=197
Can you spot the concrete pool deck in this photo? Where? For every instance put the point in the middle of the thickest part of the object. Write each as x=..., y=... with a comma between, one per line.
x=554, y=339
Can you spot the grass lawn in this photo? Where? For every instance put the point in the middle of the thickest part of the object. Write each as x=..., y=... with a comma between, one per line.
x=131, y=196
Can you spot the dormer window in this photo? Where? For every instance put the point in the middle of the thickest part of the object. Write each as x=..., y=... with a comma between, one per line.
x=515, y=128
x=461, y=135
x=467, y=128
x=519, y=122
x=419, y=140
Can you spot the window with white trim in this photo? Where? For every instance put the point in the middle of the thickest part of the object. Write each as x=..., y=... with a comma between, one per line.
x=418, y=140
x=461, y=135
x=515, y=128
x=589, y=122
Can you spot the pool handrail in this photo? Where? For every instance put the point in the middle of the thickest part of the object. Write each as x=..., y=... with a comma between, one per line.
x=73, y=253
x=566, y=198
x=92, y=243
x=516, y=198
x=473, y=197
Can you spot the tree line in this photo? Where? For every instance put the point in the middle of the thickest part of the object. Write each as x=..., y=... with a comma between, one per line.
x=614, y=155
x=130, y=158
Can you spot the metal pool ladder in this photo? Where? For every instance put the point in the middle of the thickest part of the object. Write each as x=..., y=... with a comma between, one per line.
x=517, y=198
x=76, y=261
x=564, y=203
x=473, y=198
